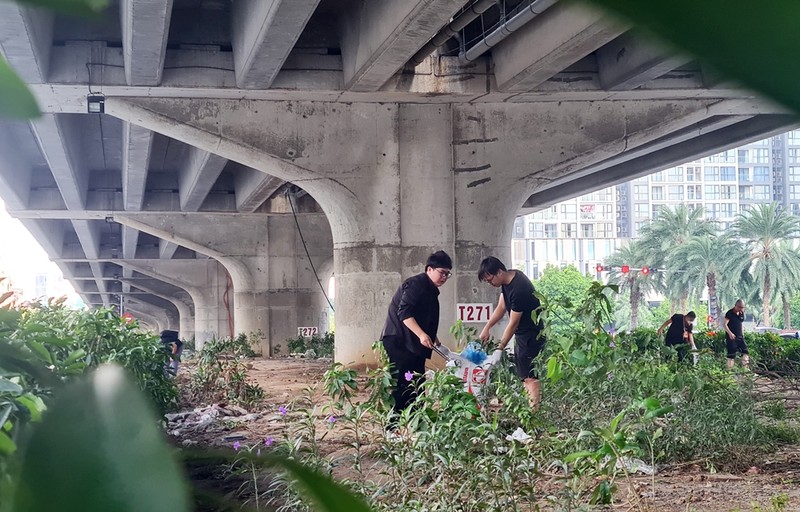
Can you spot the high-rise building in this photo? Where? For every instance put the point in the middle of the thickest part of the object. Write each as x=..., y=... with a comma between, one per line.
x=585, y=230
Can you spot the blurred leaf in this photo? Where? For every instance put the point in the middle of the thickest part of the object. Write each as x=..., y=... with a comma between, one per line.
x=13, y=358
x=6, y=386
x=34, y=404
x=99, y=449
x=76, y=7
x=16, y=101
x=754, y=43
x=7, y=446
x=40, y=351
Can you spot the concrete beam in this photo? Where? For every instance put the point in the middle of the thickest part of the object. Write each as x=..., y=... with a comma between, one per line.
x=264, y=32
x=630, y=61
x=15, y=173
x=379, y=38
x=137, y=143
x=166, y=249
x=145, y=27
x=556, y=39
x=26, y=36
x=47, y=234
x=56, y=138
x=745, y=132
x=196, y=177
x=130, y=239
x=253, y=188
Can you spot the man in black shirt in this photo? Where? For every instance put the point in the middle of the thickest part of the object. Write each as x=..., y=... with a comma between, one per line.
x=679, y=333
x=409, y=334
x=734, y=339
x=518, y=299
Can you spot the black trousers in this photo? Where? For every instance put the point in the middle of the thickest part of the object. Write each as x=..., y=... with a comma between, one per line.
x=403, y=361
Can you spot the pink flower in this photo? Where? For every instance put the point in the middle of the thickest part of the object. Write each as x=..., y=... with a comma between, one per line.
x=331, y=419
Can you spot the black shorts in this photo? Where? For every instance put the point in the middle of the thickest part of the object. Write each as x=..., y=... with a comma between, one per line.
x=526, y=348
x=734, y=345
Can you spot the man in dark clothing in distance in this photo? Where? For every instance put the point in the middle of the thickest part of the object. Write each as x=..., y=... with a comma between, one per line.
x=174, y=345
x=518, y=299
x=734, y=339
x=410, y=332
x=679, y=333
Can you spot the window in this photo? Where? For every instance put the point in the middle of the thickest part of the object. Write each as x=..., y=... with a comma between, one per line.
x=641, y=210
x=538, y=230
x=604, y=230
x=550, y=231
x=743, y=156
x=693, y=173
x=639, y=226
x=794, y=191
x=675, y=193
x=587, y=230
x=568, y=230
x=746, y=193
x=659, y=176
x=724, y=157
x=675, y=174
x=727, y=173
x=658, y=193
x=761, y=192
x=694, y=191
x=727, y=192
x=795, y=209
x=712, y=191
x=568, y=211
x=711, y=173
x=640, y=192
x=794, y=155
x=793, y=137
x=605, y=211
x=744, y=175
x=761, y=156
x=657, y=208
x=794, y=173
x=761, y=173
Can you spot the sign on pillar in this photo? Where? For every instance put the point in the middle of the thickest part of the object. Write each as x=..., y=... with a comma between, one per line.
x=307, y=332
x=478, y=313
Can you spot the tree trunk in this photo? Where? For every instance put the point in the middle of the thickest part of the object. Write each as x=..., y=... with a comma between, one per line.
x=713, y=300
x=787, y=312
x=765, y=298
x=634, y=305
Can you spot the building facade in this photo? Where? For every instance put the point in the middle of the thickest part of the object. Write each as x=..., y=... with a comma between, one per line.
x=586, y=230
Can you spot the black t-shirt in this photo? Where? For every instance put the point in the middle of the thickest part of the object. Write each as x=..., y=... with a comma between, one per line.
x=735, y=322
x=676, y=330
x=519, y=296
x=416, y=298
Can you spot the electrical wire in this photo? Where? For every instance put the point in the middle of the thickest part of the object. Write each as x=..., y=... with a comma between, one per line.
x=305, y=246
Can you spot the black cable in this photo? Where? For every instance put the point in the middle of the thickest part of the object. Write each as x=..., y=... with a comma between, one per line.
x=300, y=231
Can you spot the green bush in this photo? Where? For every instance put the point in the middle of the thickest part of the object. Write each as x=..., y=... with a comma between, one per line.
x=322, y=346
x=222, y=372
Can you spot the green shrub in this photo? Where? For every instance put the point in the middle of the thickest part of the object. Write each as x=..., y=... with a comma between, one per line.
x=316, y=346
x=222, y=372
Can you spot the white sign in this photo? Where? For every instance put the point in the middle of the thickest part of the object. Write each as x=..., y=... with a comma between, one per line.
x=473, y=312
x=307, y=332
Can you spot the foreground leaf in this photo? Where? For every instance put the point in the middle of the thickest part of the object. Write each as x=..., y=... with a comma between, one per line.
x=16, y=101
x=753, y=42
x=99, y=449
x=76, y=7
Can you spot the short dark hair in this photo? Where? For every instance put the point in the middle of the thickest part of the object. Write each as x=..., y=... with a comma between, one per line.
x=439, y=259
x=489, y=267
x=691, y=315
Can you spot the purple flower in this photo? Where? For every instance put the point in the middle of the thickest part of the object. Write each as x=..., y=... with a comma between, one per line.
x=237, y=445
x=282, y=410
x=331, y=419
x=268, y=441
x=612, y=345
x=409, y=376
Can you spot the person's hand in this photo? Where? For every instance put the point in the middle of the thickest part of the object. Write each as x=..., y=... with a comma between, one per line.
x=731, y=336
x=426, y=341
x=484, y=335
x=658, y=332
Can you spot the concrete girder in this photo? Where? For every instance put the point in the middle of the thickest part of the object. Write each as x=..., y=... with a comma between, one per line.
x=156, y=305
x=629, y=61
x=204, y=280
x=253, y=188
x=26, y=35
x=196, y=177
x=130, y=239
x=185, y=315
x=55, y=136
x=145, y=28
x=379, y=38
x=556, y=39
x=137, y=143
x=166, y=249
x=146, y=317
x=15, y=173
x=743, y=132
x=264, y=32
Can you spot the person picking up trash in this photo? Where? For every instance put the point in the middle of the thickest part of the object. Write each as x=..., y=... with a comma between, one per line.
x=517, y=297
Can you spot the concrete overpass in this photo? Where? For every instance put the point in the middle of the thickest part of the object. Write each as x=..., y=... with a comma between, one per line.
x=250, y=149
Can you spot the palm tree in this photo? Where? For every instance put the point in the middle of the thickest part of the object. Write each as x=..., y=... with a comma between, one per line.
x=701, y=261
x=638, y=284
x=671, y=229
x=762, y=228
x=786, y=278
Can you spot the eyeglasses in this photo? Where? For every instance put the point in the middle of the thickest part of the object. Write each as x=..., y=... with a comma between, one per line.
x=444, y=273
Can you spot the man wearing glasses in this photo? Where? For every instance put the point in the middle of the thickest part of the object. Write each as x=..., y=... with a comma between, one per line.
x=734, y=339
x=409, y=334
x=517, y=297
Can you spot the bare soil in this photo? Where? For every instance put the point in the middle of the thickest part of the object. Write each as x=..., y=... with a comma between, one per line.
x=679, y=488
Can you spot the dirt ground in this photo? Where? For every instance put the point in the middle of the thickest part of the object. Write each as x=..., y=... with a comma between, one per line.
x=684, y=488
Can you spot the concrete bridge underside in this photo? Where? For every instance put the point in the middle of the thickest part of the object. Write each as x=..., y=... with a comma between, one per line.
x=250, y=150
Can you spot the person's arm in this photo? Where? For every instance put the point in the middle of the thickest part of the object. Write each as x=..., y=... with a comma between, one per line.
x=665, y=324
x=498, y=313
x=511, y=328
x=414, y=327
x=728, y=330
x=690, y=340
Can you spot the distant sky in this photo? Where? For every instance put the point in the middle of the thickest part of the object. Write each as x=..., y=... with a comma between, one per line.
x=21, y=257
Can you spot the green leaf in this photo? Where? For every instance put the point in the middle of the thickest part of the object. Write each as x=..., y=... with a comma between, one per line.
x=5, y=412
x=99, y=449
x=711, y=30
x=33, y=404
x=578, y=455
x=16, y=101
x=7, y=446
x=40, y=351
x=6, y=386
x=76, y=7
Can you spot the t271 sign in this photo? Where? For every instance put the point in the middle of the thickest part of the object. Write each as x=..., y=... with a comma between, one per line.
x=307, y=332
x=473, y=312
